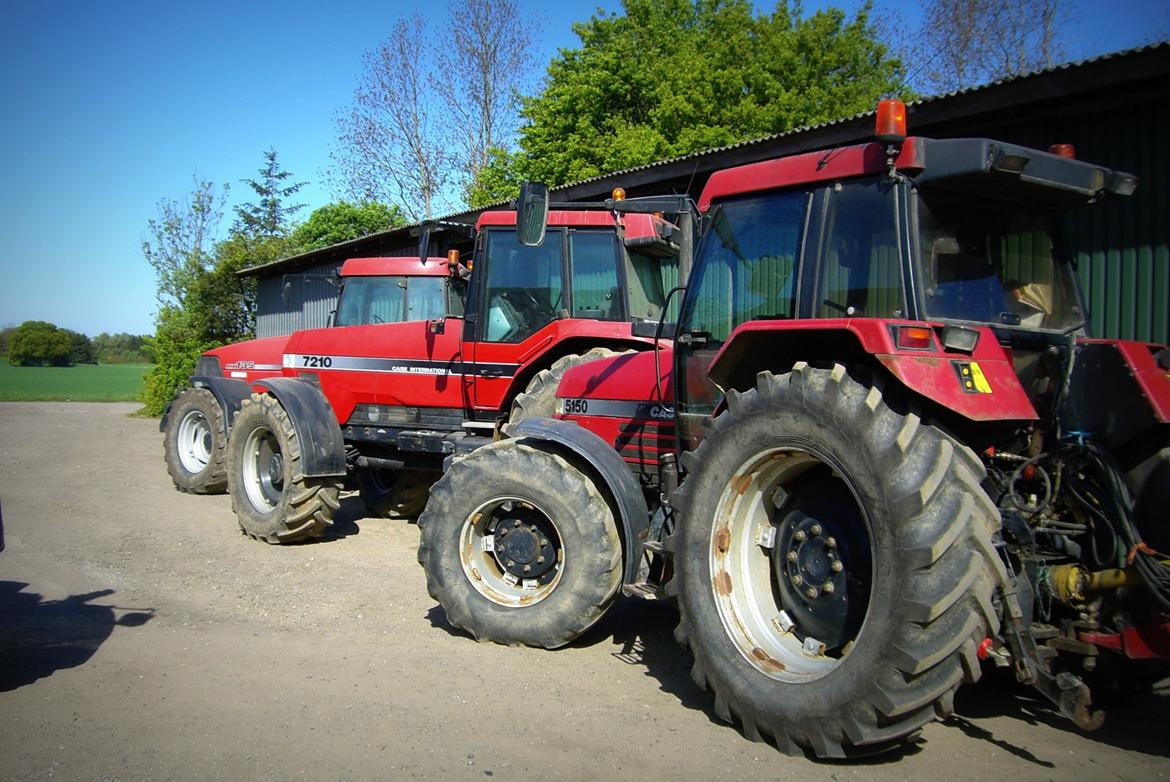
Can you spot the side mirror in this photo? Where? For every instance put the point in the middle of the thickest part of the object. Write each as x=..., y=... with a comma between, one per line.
x=424, y=240
x=531, y=213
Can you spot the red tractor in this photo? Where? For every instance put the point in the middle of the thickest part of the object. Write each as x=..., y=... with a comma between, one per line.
x=422, y=360
x=373, y=290
x=882, y=450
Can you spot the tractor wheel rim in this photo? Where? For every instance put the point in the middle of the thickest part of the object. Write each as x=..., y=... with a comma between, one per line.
x=511, y=552
x=263, y=469
x=194, y=442
x=791, y=601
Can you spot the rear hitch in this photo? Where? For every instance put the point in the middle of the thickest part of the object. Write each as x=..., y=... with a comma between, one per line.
x=1065, y=690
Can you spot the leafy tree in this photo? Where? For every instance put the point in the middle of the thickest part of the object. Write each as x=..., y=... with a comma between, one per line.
x=498, y=181
x=270, y=216
x=121, y=348
x=36, y=343
x=5, y=335
x=203, y=303
x=181, y=239
x=341, y=221
x=80, y=348
x=671, y=77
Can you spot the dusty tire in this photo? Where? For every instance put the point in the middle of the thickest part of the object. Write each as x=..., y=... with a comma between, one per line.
x=913, y=573
x=195, y=445
x=539, y=400
x=561, y=528
x=271, y=497
x=394, y=494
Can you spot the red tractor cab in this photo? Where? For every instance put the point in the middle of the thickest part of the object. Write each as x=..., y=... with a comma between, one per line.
x=882, y=449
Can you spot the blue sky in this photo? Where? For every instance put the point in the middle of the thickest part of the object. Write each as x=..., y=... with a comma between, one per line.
x=110, y=106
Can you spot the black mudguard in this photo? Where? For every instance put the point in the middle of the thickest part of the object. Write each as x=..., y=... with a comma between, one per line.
x=322, y=446
x=229, y=392
x=608, y=467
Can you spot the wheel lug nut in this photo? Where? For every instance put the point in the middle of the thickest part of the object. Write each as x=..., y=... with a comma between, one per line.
x=796, y=580
x=791, y=556
x=543, y=542
x=811, y=592
x=828, y=587
x=831, y=542
x=799, y=535
x=528, y=568
x=837, y=566
x=815, y=529
x=540, y=560
x=516, y=523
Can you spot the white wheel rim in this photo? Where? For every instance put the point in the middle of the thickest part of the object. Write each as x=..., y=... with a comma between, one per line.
x=262, y=469
x=193, y=442
x=761, y=622
x=491, y=572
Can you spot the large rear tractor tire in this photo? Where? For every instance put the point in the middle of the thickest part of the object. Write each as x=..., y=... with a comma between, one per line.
x=195, y=443
x=395, y=494
x=271, y=497
x=539, y=400
x=519, y=547
x=834, y=565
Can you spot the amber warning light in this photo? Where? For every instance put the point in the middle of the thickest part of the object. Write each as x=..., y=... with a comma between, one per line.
x=619, y=194
x=891, y=121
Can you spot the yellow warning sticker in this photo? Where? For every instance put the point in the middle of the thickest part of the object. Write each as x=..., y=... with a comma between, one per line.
x=981, y=384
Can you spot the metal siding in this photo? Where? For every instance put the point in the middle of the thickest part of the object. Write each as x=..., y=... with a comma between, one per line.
x=310, y=302
x=1122, y=247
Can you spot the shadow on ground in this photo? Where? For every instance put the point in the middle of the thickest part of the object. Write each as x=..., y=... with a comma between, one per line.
x=40, y=637
x=1135, y=721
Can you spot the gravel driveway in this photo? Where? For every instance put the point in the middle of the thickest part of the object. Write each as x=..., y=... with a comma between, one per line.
x=142, y=637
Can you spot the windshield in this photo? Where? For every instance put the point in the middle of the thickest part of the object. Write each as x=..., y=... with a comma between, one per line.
x=367, y=300
x=997, y=266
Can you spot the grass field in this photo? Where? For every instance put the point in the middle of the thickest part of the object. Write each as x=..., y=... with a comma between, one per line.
x=83, y=383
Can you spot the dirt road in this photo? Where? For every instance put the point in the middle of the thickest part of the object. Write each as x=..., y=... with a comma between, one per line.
x=142, y=637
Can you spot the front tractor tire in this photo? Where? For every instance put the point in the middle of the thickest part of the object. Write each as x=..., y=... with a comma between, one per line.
x=195, y=443
x=834, y=565
x=519, y=547
x=272, y=499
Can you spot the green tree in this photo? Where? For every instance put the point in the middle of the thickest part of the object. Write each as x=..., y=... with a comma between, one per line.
x=5, y=335
x=671, y=77
x=121, y=348
x=497, y=181
x=270, y=216
x=36, y=343
x=80, y=348
x=203, y=302
x=181, y=239
x=341, y=221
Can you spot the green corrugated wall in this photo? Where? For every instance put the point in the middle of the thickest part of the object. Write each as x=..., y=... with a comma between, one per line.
x=1122, y=247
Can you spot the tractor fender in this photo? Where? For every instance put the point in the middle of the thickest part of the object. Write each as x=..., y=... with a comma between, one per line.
x=228, y=392
x=322, y=446
x=936, y=375
x=607, y=467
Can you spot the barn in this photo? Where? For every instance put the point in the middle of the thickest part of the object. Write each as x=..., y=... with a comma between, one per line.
x=1115, y=109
